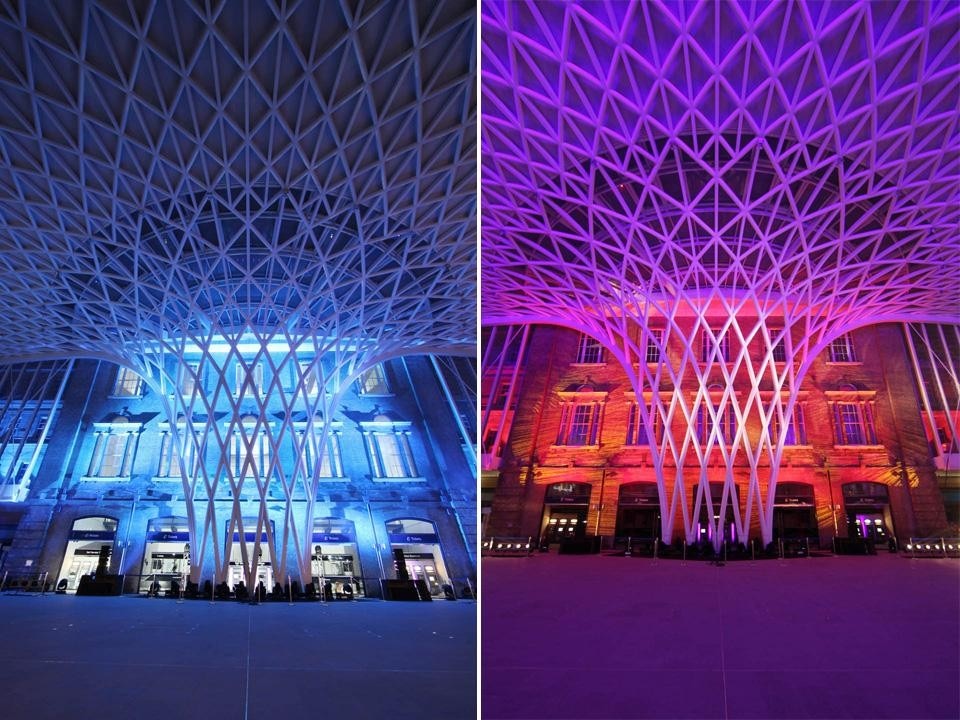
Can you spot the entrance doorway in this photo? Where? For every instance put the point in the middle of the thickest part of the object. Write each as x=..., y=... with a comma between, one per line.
x=638, y=511
x=726, y=528
x=236, y=572
x=165, y=554
x=335, y=559
x=88, y=537
x=868, y=525
x=421, y=551
x=794, y=512
x=564, y=523
x=868, y=511
x=565, y=508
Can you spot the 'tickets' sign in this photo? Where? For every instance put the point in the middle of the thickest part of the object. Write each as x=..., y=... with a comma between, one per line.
x=333, y=537
x=93, y=535
x=162, y=536
x=422, y=539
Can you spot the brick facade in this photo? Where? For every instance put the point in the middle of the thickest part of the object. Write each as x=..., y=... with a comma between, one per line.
x=881, y=376
x=61, y=491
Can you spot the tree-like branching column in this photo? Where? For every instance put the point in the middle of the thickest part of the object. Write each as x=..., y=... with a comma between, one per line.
x=251, y=344
x=238, y=438
x=733, y=181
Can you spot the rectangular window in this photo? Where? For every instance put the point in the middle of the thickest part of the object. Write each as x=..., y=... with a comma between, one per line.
x=654, y=343
x=373, y=381
x=390, y=455
x=841, y=350
x=728, y=425
x=853, y=424
x=708, y=343
x=189, y=376
x=307, y=381
x=38, y=429
x=779, y=348
x=503, y=390
x=170, y=457
x=250, y=456
x=512, y=351
x=636, y=428
x=128, y=383
x=579, y=424
x=330, y=464
x=112, y=461
x=21, y=428
x=589, y=352
x=796, y=430
x=249, y=380
x=112, y=456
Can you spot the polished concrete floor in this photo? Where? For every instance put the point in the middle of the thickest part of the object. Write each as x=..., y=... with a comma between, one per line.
x=144, y=659
x=614, y=637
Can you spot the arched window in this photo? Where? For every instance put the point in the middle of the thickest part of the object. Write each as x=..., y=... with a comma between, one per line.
x=572, y=493
x=412, y=527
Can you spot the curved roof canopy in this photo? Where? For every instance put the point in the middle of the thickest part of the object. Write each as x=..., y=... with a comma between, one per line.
x=198, y=167
x=804, y=153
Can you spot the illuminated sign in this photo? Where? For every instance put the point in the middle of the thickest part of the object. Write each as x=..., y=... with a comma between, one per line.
x=166, y=536
x=93, y=535
x=333, y=537
x=402, y=538
x=865, y=500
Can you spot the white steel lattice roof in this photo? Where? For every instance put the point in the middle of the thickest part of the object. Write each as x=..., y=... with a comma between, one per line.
x=175, y=167
x=804, y=153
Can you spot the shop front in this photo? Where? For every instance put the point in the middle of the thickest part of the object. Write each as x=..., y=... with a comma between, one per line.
x=638, y=511
x=565, y=508
x=335, y=560
x=725, y=527
x=419, y=544
x=867, y=505
x=794, y=512
x=90, y=539
x=235, y=566
x=166, y=554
